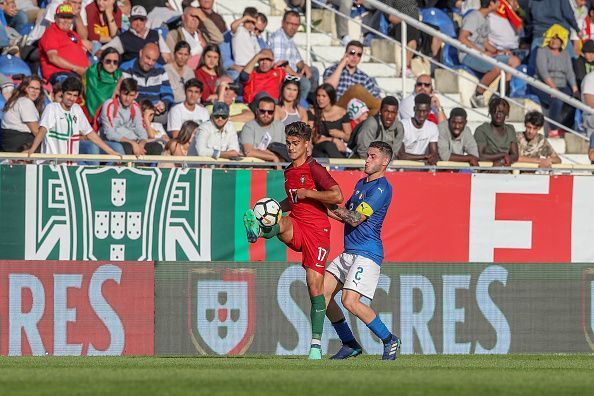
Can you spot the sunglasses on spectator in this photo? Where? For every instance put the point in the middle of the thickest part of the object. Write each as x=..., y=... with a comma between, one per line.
x=292, y=78
x=263, y=111
x=114, y=62
x=423, y=84
x=221, y=116
x=357, y=54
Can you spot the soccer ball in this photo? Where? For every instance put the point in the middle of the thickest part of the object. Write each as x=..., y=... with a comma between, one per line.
x=268, y=212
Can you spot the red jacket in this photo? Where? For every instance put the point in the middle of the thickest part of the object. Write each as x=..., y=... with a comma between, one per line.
x=269, y=82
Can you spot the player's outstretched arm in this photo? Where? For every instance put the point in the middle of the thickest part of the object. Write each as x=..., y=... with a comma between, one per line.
x=352, y=217
x=333, y=196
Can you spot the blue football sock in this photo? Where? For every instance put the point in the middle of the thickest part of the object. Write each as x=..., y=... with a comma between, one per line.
x=344, y=331
x=379, y=329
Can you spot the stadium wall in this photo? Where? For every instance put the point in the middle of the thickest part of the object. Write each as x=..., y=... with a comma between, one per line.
x=222, y=308
x=116, y=214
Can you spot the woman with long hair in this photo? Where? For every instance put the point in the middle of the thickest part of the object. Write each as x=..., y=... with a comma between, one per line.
x=330, y=123
x=209, y=70
x=178, y=71
x=101, y=79
x=20, y=123
x=179, y=145
x=288, y=109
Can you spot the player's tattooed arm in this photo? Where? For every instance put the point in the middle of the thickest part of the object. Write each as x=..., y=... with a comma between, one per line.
x=352, y=217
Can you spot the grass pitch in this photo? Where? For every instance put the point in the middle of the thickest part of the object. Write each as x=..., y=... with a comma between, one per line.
x=409, y=375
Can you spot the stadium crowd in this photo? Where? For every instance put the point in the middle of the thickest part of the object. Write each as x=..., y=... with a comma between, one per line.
x=121, y=77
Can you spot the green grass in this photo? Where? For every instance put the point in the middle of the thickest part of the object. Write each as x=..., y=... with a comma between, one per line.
x=409, y=375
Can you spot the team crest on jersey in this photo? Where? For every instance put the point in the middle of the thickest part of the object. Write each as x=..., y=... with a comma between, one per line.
x=222, y=310
x=361, y=196
x=302, y=179
x=588, y=306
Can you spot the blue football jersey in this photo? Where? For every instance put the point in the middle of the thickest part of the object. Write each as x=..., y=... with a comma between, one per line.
x=371, y=199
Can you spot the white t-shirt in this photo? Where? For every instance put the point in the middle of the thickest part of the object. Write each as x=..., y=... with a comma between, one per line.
x=406, y=109
x=64, y=128
x=244, y=45
x=22, y=111
x=179, y=114
x=415, y=140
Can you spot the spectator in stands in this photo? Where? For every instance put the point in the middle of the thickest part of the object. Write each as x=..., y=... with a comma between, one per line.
x=20, y=122
x=419, y=142
x=588, y=99
x=129, y=43
x=342, y=23
x=208, y=72
x=351, y=82
x=104, y=21
x=62, y=124
x=546, y=13
x=198, y=31
x=456, y=142
x=259, y=134
x=285, y=50
x=100, y=80
x=61, y=49
x=189, y=109
x=178, y=71
x=533, y=146
x=497, y=141
x=244, y=43
x=154, y=130
x=153, y=83
x=503, y=35
x=474, y=33
x=30, y=8
x=580, y=13
x=412, y=34
x=239, y=113
x=217, y=137
x=15, y=18
x=330, y=124
x=179, y=146
x=585, y=62
x=407, y=106
x=217, y=19
x=121, y=121
x=554, y=67
x=262, y=78
x=288, y=109
x=260, y=28
x=384, y=126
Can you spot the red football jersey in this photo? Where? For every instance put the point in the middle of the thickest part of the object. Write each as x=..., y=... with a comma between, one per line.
x=311, y=176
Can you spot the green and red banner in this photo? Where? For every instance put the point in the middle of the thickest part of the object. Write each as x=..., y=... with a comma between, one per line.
x=117, y=214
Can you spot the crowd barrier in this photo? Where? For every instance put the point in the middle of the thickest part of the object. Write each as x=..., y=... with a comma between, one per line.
x=136, y=214
x=222, y=308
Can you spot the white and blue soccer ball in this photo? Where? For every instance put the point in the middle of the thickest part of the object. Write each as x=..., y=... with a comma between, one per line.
x=268, y=212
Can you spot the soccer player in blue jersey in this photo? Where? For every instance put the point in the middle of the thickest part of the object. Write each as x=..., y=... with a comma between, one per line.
x=356, y=271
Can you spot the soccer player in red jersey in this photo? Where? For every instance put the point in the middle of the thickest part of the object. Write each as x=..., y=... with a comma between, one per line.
x=309, y=189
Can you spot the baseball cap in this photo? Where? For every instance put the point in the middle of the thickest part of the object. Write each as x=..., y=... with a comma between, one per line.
x=138, y=12
x=64, y=11
x=588, y=46
x=356, y=108
x=220, y=109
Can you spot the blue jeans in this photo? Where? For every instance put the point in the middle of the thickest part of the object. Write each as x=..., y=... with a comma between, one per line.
x=17, y=22
x=88, y=147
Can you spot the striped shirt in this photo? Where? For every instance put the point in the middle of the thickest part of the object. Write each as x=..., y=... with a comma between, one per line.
x=152, y=85
x=284, y=48
x=346, y=80
x=64, y=128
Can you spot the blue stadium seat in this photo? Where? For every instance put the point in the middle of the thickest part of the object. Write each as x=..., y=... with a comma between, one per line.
x=519, y=88
x=11, y=65
x=439, y=19
x=449, y=57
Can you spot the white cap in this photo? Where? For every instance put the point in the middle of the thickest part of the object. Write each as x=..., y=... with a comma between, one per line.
x=138, y=11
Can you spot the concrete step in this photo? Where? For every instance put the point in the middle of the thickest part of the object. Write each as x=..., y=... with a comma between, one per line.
x=581, y=159
x=378, y=69
x=334, y=53
x=225, y=7
x=317, y=39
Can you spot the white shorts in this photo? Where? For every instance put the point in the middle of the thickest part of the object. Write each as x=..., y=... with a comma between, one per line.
x=355, y=272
